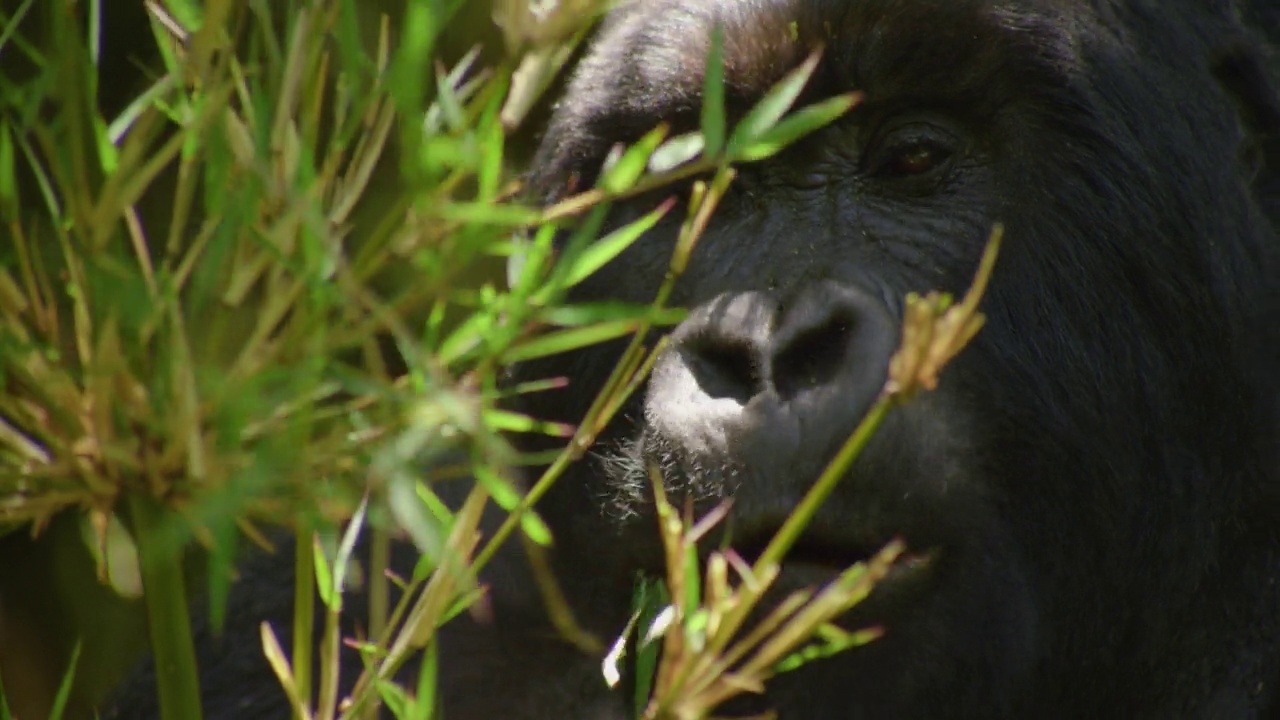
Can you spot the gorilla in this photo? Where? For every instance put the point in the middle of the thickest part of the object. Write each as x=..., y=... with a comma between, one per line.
x=1096, y=480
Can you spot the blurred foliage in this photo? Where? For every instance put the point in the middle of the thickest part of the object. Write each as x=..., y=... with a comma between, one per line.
x=68, y=72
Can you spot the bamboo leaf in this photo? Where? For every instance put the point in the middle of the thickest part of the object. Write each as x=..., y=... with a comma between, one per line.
x=609, y=247
x=324, y=574
x=566, y=340
x=8, y=174
x=623, y=172
x=342, y=560
x=765, y=115
x=280, y=666
x=713, y=107
x=64, y=687
x=676, y=152
x=797, y=125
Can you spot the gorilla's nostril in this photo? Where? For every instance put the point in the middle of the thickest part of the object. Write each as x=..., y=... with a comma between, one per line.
x=813, y=357
x=724, y=369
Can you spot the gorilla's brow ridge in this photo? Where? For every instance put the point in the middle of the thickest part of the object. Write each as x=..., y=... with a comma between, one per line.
x=876, y=46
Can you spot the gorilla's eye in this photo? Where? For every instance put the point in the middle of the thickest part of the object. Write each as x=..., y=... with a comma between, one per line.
x=911, y=151
x=915, y=159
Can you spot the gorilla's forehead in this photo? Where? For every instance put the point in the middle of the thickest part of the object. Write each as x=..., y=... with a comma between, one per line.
x=970, y=57
x=934, y=48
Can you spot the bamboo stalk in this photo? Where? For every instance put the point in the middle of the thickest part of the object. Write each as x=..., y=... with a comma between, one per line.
x=168, y=622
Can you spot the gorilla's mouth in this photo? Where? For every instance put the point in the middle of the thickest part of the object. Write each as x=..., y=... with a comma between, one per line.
x=701, y=477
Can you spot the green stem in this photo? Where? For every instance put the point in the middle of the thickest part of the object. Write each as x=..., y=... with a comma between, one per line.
x=804, y=512
x=330, y=646
x=304, y=611
x=379, y=597
x=168, y=622
x=379, y=585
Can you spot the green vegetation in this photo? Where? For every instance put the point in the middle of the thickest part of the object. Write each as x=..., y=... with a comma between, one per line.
x=263, y=293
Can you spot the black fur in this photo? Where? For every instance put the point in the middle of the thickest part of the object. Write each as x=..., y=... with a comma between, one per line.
x=1098, y=476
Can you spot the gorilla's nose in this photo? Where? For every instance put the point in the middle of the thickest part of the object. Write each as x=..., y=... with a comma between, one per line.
x=751, y=376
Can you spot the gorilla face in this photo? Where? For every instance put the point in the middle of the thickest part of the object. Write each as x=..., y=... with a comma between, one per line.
x=1087, y=478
